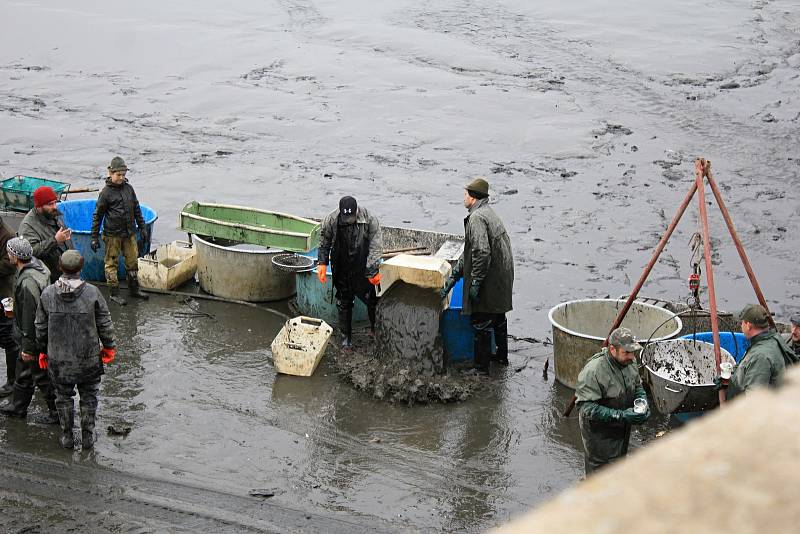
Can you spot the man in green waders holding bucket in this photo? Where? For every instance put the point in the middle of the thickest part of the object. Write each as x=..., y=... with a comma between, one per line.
x=607, y=386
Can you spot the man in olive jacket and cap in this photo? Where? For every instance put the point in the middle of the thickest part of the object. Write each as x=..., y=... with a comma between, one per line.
x=44, y=228
x=33, y=277
x=765, y=360
x=487, y=266
x=793, y=337
x=7, y=274
x=119, y=213
x=607, y=387
x=71, y=323
x=350, y=240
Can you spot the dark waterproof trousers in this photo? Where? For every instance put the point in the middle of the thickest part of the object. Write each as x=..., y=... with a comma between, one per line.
x=483, y=325
x=350, y=286
x=10, y=346
x=88, y=392
x=29, y=377
x=603, y=442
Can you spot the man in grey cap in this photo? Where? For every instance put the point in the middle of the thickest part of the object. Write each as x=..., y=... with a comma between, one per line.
x=33, y=276
x=607, y=386
x=793, y=338
x=71, y=323
x=487, y=266
x=765, y=360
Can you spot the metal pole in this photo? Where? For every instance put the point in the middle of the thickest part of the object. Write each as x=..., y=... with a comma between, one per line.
x=736, y=241
x=699, y=166
x=661, y=244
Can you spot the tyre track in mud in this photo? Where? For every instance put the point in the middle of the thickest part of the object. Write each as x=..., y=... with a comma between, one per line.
x=516, y=36
x=693, y=124
x=84, y=491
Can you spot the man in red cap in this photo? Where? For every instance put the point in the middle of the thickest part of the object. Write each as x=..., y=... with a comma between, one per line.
x=45, y=230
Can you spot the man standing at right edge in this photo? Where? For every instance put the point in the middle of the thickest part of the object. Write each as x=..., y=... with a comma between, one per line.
x=487, y=266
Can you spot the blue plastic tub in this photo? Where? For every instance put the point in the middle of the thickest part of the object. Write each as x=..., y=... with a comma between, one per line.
x=78, y=216
x=457, y=333
x=733, y=342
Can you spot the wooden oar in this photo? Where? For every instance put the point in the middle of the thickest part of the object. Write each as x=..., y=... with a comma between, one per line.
x=82, y=190
x=407, y=249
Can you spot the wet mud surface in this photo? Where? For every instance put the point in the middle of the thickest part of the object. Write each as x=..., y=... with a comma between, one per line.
x=393, y=379
x=584, y=120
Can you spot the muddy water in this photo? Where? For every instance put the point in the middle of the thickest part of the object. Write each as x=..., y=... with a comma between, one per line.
x=584, y=120
x=408, y=327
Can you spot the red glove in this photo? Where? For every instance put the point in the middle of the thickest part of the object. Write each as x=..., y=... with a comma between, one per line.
x=375, y=280
x=322, y=273
x=42, y=360
x=107, y=354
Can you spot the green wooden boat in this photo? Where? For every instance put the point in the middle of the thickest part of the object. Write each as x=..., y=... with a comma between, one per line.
x=250, y=225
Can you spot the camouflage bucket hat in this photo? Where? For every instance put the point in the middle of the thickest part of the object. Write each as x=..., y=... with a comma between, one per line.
x=622, y=338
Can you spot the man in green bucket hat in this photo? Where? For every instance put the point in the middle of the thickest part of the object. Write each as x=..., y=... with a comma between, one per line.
x=119, y=213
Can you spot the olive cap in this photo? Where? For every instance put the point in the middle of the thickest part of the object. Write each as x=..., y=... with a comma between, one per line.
x=71, y=261
x=479, y=187
x=754, y=314
x=117, y=164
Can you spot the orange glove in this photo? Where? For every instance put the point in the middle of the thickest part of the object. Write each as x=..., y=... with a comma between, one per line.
x=322, y=273
x=375, y=280
x=42, y=360
x=108, y=354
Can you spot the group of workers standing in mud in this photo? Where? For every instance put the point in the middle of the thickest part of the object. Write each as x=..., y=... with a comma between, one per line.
x=350, y=242
x=61, y=334
x=57, y=330
x=608, y=386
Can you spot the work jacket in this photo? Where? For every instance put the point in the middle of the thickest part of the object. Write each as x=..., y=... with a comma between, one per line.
x=794, y=345
x=30, y=283
x=71, y=322
x=7, y=269
x=604, y=381
x=487, y=260
x=117, y=210
x=366, y=245
x=762, y=365
x=40, y=231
